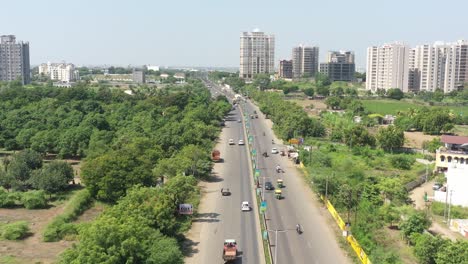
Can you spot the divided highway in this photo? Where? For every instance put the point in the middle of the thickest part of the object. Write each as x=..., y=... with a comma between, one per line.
x=222, y=217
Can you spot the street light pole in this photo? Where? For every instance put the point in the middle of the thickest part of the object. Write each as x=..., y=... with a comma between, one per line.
x=276, y=241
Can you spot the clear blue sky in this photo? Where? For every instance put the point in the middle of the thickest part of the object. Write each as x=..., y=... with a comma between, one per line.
x=206, y=32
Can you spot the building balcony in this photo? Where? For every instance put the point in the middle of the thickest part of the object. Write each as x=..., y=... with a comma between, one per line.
x=446, y=157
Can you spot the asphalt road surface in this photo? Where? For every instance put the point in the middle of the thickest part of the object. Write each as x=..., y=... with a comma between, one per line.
x=317, y=244
x=227, y=221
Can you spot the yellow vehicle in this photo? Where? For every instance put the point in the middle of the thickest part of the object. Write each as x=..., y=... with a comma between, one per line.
x=279, y=183
x=278, y=194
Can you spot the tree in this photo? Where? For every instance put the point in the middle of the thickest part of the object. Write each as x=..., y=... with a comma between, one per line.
x=426, y=247
x=262, y=81
x=395, y=93
x=333, y=102
x=390, y=138
x=53, y=177
x=415, y=223
x=389, y=214
x=110, y=175
x=392, y=189
x=309, y=91
x=358, y=136
x=433, y=145
x=453, y=253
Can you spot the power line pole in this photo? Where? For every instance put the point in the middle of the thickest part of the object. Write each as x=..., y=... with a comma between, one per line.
x=450, y=205
x=446, y=202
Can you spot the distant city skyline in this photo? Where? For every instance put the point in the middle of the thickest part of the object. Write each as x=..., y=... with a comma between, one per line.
x=206, y=33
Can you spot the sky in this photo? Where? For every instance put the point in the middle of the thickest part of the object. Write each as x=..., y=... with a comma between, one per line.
x=206, y=32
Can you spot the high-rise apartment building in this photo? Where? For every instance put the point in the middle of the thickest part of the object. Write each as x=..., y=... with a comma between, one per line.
x=257, y=54
x=439, y=66
x=305, y=61
x=14, y=60
x=340, y=66
x=286, y=69
x=62, y=72
x=387, y=67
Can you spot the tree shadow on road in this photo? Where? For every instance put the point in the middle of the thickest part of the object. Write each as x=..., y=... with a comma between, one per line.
x=214, y=177
x=206, y=217
x=189, y=247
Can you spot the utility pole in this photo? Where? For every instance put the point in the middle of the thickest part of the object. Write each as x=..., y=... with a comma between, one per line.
x=446, y=201
x=276, y=241
x=450, y=205
x=326, y=188
x=426, y=171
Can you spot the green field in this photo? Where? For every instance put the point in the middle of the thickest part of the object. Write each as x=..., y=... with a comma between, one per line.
x=392, y=107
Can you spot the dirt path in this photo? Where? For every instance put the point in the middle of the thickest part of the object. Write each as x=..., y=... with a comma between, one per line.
x=32, y=249
x=417, y=195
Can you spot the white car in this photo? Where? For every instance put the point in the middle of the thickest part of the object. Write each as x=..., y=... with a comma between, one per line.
x=231, y=141
x=241, y=142
x=274, y=151
x=238, y=120
x=245, y=206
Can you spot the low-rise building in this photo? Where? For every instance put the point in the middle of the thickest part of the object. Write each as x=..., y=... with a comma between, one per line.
x=62, y=72
x=454, y=151
x=454, y=192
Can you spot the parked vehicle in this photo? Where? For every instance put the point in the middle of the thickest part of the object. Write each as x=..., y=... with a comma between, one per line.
x=229, y=250
x=216, y=155
x=436, y=186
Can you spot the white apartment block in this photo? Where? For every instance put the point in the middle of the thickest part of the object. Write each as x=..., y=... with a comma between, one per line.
x=257, y=54
x=439, y=66
x=63, y=72
x=387, y=67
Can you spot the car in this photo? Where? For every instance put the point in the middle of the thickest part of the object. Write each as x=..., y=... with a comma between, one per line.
x=245, y=206
x=274, y=151
x=269, y=186
x=241, y=142
x=231, y=141
x=238, y=120
x=436, y=186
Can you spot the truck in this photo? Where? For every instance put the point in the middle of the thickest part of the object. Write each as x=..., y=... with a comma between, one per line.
x=229, y=250
x=216, y=155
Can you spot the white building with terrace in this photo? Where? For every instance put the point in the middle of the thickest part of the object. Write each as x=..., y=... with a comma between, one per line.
x=454, y=151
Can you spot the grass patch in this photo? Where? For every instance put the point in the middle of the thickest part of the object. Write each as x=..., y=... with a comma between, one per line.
x=456, y=211
x=391, y=107
x=8, y=260
x=461, y=130
x=14, y=231
x=61, y=225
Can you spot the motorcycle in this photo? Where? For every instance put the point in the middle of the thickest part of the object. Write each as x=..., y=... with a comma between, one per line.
x=299, y=229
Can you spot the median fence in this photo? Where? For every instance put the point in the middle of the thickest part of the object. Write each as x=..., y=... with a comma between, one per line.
x=252, y=153
x=350, y=238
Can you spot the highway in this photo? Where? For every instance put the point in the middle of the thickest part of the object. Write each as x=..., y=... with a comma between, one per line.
x=318, y=243
x=223, y=218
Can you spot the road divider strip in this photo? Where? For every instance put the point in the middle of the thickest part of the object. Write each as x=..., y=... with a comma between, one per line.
x=361, y=254
x=261, y=221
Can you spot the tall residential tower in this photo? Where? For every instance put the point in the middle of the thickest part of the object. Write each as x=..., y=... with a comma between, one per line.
x=387, y=67
x=305, y=61
x=257, y=54
x=14, y=60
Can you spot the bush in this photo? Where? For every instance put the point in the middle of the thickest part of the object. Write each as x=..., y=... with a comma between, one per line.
x=14, y=231
x=34, y=199
x=402, y=162
x=60, y=226
x=7, y=199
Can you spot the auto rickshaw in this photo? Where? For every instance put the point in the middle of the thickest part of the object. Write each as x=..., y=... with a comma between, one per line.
x=278, y=194
x=279, y=183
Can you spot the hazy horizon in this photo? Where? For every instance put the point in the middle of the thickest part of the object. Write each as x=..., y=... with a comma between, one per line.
x=206, y=33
